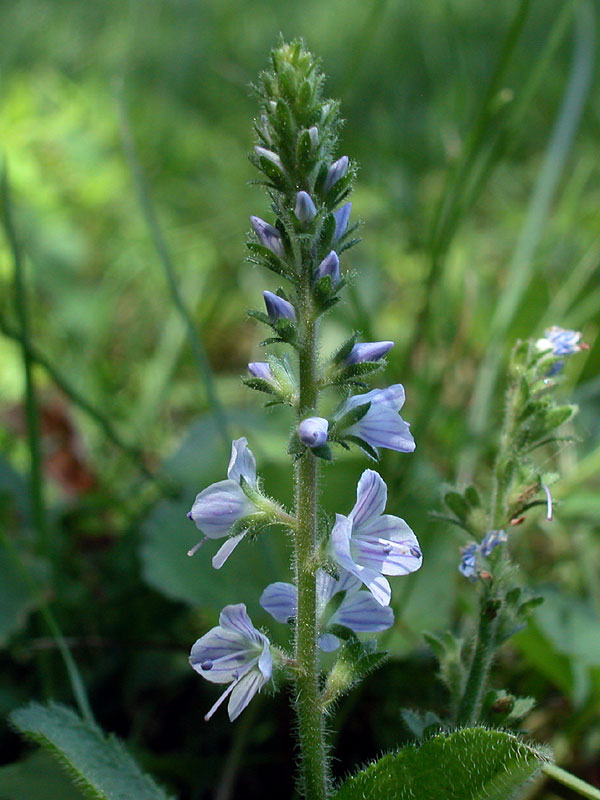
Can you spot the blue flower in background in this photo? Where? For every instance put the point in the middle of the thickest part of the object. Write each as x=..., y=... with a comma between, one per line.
x=222, y=504
x=469, y=554
x=336, y=171
x=561, y=341
x=305, y=210
x=237, y=653
x=370, y=544
x=358, y=611
x=491, y=540
x=468, y=561
x=342, y=217
x=381, y=426
x=268, y=236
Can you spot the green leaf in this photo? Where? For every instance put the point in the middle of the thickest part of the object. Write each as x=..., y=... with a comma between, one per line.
x=469, y=764
x=98, y=764
x=16, y=600
x=38, y=775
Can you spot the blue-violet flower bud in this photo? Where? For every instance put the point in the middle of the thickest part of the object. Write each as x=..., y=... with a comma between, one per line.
x=314, y=136
x=278, y=308
x=370, y=544
x=368, y=351
x=237, y=653
x=268, y=236
x=270, y=156
x=342, y=216
x=336, y=171
x=491, y=540
x=305, y=209
x=260, y=369
x=313, y=431
x=329, y=266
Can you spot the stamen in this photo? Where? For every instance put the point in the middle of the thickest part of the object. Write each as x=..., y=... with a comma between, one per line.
x=548, y=502
x=197, y=547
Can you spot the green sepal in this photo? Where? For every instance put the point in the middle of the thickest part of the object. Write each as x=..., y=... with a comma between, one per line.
x=252, y=492
x=421, y=724
x=448, y=650
x=271, y=171
x=347, y=245
x=472, y=497
x=356, y=659
x=344, y=350
x=295, y=447
x=358, y=370
x=350, y=417
x=325, y=241
x=364, y=446
x=259, y=315
x=528, y=606
x=324, y=452
x=306, y=156
x=457, y=504
x=268, y=259
x=253, y=523
x=259, y=385
x=502, y=708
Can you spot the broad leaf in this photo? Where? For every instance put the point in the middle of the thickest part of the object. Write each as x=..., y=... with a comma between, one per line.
x=469, y=764
x=98, y=764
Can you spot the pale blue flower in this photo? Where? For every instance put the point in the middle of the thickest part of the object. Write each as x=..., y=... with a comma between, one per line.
x=278, y=308
x=381, y=426
x=237, y=653
x=305, y=209
x=491, y=540
x=329, y=266
x=561, y=341
x=370, y=544
x=358, y=611
x=312, y=431
x=268, y=236
x=336, y=171
x=342, y=217
x=468, y=561
x=368, y=351
x=222, y=504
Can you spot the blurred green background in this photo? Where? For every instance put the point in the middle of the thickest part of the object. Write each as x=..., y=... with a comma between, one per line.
x=125, y=128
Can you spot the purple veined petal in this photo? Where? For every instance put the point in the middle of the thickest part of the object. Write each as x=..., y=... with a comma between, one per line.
x=342, y=217
x=336, y=171
x=268, y=236
x=328, y=642
x=347, y=583
x=492, y=539
x=220, y=655
x=280, y=600
x=382, y=426
x=260, y=369
x=235, y=618
x=392, y=396
x=218, y=506
x=312, y=431
x=363, y=614
x=226, y=549
x=242, y=462
x=329, y=266
x=468, y=561
x=327, y=587
x=305, y=210
x=401, y=549
x=340, y=543
x=371, y=497
x=564, y=342
x=278, y=308
x=368, y=351
x=243, y=692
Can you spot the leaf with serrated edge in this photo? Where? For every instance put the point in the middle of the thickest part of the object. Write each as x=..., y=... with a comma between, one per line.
x=98, y=764
x=469, y=764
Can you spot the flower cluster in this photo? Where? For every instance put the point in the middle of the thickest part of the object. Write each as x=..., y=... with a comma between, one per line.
x=348, y=563
x=471, y=555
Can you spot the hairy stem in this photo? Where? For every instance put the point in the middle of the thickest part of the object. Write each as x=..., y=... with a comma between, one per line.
x=469, y=707
x=309, y=707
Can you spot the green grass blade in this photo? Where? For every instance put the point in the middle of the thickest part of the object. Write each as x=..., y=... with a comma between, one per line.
x=149, y=214
x=520, y=269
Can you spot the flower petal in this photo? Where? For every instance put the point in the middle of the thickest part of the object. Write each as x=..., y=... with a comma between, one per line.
x=382, y=426
x=362, y=614
x=220, y=655
x=235, y=618
x=280, y=600
x=226, y=549
x=371, y=497
x=218, y=506
x=243, y=692
x=340, y=545
x=390, y=543
x=242, y=462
